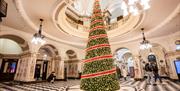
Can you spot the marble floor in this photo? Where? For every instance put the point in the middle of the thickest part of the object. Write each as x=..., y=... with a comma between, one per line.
x=73, y=85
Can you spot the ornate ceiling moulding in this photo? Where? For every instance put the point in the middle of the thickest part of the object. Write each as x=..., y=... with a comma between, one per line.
x=72, y=23
x=21, y=10
x=55, y=15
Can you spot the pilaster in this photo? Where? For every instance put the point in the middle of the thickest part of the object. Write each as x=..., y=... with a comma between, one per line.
x=26, y=67
x=138, y=68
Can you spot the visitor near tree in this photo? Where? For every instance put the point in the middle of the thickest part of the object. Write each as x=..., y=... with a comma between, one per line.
x=149, y=72
x=51, y=77
x=124, y=73
x=156, y=72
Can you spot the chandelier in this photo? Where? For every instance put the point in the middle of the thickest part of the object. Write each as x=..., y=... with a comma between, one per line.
x=38, y=37
x=145, y=43
x=134, y=6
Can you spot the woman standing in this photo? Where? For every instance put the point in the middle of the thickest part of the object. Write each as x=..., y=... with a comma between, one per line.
x=124, y=73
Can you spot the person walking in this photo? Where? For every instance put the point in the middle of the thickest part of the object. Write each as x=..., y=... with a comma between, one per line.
x=155, y=72
x=124, y=73
x=149, y=73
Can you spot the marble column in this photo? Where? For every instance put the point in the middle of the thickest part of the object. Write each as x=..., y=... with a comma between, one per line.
x=49, y=68
x=26, y=67
x=16, y=77
x=59, y=68
x=138, y=68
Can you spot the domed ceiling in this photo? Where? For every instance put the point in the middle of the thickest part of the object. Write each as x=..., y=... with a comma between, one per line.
x=159, y=20
x=85, y=7
x=74, y=18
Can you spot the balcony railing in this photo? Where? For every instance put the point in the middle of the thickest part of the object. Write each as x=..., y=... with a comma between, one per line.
x=77, y=21
x=81, y=27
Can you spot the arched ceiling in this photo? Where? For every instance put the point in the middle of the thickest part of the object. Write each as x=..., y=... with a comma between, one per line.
x=122, y=52
x=20, y=41
x=48, y=49
x=24, y=15
x=12, y=48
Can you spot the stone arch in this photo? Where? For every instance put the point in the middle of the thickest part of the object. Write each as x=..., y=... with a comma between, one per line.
x=120, y=48
x=159, y=45
x=124, y=51
x=155, y=47
x=15, y=59
x=160, y=55
x=19, y=40
x=48, y=60
x=51, y=49
x=124, y=60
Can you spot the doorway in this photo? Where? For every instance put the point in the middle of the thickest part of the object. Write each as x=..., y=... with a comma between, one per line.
x=41, y=70
x=8, y=69
x=46, y=59
x=124, y=60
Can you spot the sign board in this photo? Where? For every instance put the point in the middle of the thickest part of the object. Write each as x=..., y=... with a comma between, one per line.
x=177, y=65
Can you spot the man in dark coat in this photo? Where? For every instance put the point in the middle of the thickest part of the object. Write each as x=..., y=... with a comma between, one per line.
x=155, y=71
x=149, y=73
x=51, y=77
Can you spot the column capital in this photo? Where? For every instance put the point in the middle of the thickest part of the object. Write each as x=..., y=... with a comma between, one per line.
x=35, y=48
x=28, y=54
x=57, y=58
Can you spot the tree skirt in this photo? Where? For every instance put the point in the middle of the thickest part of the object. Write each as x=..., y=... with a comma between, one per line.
x=123, y=88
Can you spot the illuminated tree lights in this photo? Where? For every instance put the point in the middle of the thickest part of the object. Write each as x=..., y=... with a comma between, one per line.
x=99, y=73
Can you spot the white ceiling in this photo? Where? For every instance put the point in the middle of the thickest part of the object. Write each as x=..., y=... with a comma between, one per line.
x=24, y=15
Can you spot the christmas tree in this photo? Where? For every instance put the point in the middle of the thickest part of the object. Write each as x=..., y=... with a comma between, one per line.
x=99, y=73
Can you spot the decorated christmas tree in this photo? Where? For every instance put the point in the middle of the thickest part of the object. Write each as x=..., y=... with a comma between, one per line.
x=99, y=73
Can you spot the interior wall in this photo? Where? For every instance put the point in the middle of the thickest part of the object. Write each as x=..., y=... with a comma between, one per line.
x=167, y=42
x=62, y=48
x=31, y=60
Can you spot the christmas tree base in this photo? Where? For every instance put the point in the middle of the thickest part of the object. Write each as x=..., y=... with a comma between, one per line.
x=123, y=88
